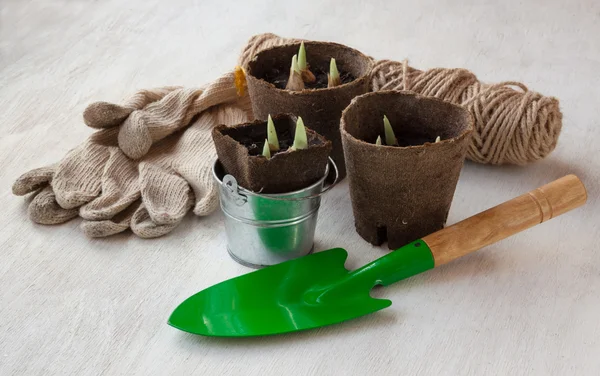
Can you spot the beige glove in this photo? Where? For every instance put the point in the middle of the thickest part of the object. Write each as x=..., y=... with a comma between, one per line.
x=139, y=129
x=173, y=176
x=113, y=193
x=59, y=190
x=151, y=195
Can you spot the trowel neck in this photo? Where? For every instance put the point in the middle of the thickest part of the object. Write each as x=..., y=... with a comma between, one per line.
x=404, y=262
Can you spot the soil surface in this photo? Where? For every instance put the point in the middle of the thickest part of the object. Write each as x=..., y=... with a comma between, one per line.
x=253, y=138
x=279, y=78
x=405, y=140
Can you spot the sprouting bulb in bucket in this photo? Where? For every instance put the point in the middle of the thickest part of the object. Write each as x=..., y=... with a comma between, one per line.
x=300, y=139
x=273, y=141
x=266, y=150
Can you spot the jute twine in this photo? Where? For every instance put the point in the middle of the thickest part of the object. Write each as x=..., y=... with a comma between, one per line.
x=513, y=125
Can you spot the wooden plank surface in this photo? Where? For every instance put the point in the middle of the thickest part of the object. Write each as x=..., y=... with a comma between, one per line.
x=529, y=305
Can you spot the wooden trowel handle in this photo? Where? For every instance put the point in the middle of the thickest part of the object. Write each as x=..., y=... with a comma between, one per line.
x=504, y=220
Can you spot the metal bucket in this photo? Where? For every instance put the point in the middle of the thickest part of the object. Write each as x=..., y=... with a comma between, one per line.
x=266, y=229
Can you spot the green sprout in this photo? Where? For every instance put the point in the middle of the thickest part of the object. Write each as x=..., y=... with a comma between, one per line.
x=266, y=150
x=333, y=78
x=272, y=135
x=378, y=142
x=295, y=66
x=300, y=140
x=390, y=137
x=437, y=139
x=307, y=75
x=295, y=81
x=302, y=57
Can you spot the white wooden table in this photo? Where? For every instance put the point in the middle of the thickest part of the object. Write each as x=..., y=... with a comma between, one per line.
x=71, y=305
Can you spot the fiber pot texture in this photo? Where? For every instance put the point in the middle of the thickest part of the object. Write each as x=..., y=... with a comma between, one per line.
x=320, y=109
x=239, y=149
x=403, y=193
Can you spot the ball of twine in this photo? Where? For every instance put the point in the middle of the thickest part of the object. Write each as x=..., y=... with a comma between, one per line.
x=512, y=124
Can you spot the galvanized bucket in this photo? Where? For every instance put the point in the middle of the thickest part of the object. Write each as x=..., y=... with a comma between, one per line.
x=266, y=229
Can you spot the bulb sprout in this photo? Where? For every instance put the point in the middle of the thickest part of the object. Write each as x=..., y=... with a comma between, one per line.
x=273, y=141
x=390, y=137
x=300, y=139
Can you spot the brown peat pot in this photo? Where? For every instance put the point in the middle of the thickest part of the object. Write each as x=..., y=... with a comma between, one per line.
x=239, y=149
x=320, y=107
x=402, y=193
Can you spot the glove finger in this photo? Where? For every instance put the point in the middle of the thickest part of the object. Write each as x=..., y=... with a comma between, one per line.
x=204, y=187
x=112, y=226
x=108, y=115
x=175, y=111
x=120, y=188
x=105, y=115
x=143, y=226
x=78, y=176
x=166, y=196
x=44, y=209
x=134, y=137
x=33, y=180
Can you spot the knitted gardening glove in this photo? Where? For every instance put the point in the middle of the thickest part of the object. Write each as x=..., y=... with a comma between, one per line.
x=80, y=177
x=144, y=118
x=183, y=168
x=151, y=115
x=175, y=175
x=95, y=180
x=75, y=178
x=108, y=185
x=172, y=109
x=165, y=198
x=120, y=205
x=148, y=116
x=114, y=185
x=80, y=169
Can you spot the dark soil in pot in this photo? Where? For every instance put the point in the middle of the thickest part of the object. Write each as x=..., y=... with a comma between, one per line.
x=279, y=78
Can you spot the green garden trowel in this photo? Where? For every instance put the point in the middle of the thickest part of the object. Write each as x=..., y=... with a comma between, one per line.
x=316, y=290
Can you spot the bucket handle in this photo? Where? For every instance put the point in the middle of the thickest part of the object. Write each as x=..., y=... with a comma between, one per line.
x=232, y=188
x=240, y=199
